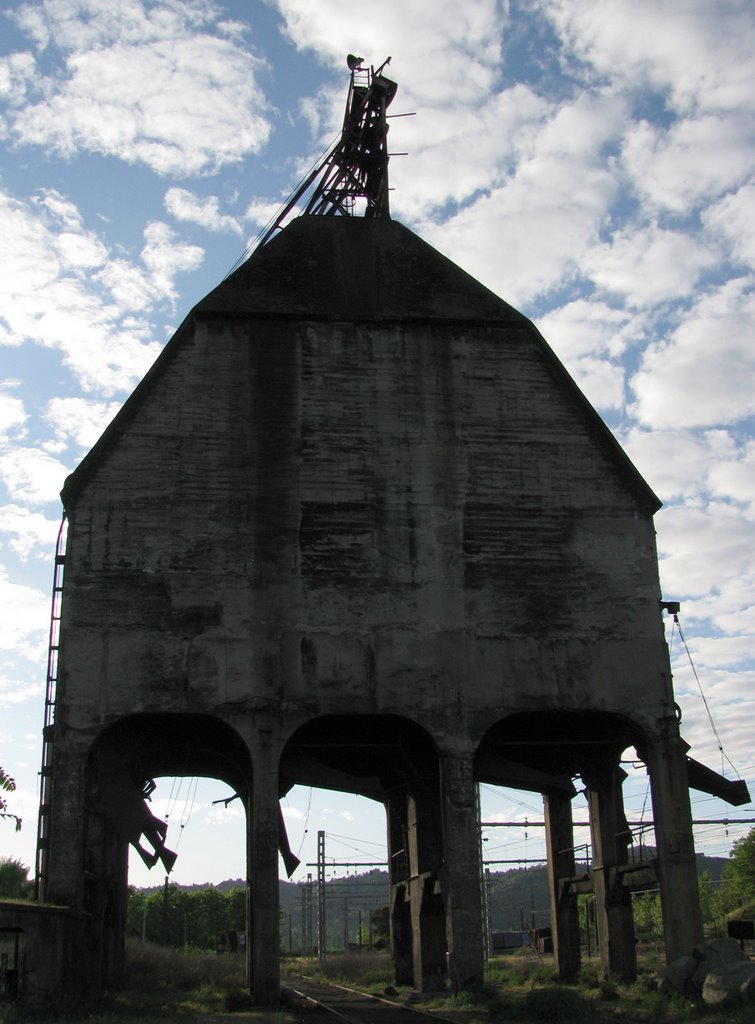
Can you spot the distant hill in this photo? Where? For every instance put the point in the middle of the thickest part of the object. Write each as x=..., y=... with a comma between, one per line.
x=516, y=896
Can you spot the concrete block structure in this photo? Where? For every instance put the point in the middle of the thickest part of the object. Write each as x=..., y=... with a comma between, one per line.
x=357, y=528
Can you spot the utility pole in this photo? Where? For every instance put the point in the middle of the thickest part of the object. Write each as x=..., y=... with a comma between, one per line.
x=321, y=940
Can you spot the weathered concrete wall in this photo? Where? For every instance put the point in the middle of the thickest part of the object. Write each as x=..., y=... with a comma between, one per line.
x=415, y=521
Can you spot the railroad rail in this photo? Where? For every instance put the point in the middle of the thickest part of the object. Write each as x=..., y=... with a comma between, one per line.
x=349, y=1005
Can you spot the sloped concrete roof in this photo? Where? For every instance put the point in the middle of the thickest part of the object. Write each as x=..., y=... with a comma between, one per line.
x=353, y=268
x=363, y=270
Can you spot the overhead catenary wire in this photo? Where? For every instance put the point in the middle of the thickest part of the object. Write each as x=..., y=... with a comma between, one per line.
x=677, y=625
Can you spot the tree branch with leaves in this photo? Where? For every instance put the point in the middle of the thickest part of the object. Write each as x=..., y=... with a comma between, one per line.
x=7, y=785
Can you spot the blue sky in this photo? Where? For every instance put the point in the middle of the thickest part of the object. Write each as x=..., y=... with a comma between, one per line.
x=591, y=161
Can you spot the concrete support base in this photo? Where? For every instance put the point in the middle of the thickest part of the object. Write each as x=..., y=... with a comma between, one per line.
x=559, y=836
x=418, y=926
x=677, y=872
x=461, y=871
x=613, y=903
x=263, y=952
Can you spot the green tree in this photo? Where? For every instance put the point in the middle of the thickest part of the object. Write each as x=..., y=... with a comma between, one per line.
x=381, y=927
x=648, y=917
x=186, y=918
x=7, y=785
x=739, y=873
x=14, y=882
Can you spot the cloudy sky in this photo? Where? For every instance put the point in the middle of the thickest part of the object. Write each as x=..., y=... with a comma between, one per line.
x=591, y=161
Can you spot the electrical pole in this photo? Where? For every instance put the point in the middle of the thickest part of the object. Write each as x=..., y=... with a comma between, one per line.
x=321, y=940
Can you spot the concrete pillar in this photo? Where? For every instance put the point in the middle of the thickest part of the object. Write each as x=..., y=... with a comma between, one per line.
x=677, y=872
x=263, y=939
x=461, y=870
x=559, y=838
x=428, y=920
x=64, y=862
x=398, y=873
x=429, y=926
x=613, y=902
x=418, y=926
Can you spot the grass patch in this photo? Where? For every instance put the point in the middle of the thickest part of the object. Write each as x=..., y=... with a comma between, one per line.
x=165, y=985
x=368, y=971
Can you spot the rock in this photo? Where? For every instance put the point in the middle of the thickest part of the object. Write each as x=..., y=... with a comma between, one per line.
x=675, y=977
x=730, y=985
x=714, y=955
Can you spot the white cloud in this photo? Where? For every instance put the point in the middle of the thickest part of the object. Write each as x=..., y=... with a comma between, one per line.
x=31, y=475
x=735, y=477
x=260, y=212
x=13, y=416
x=678, y=463
x=16, y=72
x=164, y=256
x=481, y=142
x=31, y=532
x=589, y=336
x=79, y=250
x=730, y=609
x=25, y=615
x=145, y=84
x=601, y=381
x=648, y=265
x=530, y=235
x=697, y=53
x=733, y=219
x=589, y=327
x=130, y=286
x=704, y=550
x=52, y=271
x=677, y=167
x=292, y=813
x=457, y=47
x=79, y=420
x=702, y=374
x=202, y=210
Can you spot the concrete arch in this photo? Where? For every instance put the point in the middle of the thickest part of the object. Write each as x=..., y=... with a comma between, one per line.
x=393, y=759
x=176, y=743
x=367, y=754
x=123, y=761
x=544, y=752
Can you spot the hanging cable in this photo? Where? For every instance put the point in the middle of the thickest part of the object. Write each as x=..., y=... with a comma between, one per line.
x=306, y=822
x=175, y=796
x=705, y=702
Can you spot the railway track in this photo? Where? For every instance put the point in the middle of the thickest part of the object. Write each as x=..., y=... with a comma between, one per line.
x=352, y=1007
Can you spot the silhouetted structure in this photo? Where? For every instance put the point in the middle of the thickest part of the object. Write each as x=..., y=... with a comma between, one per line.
x=357, y=528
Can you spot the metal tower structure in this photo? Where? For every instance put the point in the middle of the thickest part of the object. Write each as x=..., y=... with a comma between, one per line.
x=356, y=167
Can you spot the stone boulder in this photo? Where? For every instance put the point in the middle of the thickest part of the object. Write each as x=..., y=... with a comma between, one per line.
x=730, y=985
x=677, y=976
x=714, y=955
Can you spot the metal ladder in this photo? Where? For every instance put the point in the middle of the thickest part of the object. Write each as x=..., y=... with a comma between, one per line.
x=48, y=731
